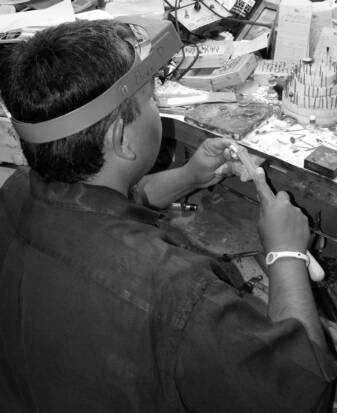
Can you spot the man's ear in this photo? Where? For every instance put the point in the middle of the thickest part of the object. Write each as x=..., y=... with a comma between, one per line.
x=116, y=139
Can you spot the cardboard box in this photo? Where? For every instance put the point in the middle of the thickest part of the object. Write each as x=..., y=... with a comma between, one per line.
x=234, y=73
x=322, y=160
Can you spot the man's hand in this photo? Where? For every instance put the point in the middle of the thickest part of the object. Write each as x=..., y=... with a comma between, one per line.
x=211, y=162
x=282, y=226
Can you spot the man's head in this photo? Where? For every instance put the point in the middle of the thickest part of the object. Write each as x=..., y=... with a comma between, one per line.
x=58, y=71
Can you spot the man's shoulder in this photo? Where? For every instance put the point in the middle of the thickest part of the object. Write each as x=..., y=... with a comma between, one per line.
x=13, y=192
x=16, y=182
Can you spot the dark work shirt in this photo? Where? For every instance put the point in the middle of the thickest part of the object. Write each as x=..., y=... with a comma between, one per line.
x=101, y=311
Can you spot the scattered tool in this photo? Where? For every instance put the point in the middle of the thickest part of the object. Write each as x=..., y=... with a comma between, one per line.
x=318, y=241
x=183, y=206
x=254, y=282
x=238, y=255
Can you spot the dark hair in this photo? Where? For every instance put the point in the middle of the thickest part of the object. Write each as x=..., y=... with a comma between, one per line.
x=57, y=71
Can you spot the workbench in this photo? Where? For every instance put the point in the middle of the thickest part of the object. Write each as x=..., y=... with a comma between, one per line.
x=314, y=193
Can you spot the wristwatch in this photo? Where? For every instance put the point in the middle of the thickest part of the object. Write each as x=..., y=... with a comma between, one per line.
x=273, y=256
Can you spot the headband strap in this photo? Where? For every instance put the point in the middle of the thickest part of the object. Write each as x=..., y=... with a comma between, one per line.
x=141, y=72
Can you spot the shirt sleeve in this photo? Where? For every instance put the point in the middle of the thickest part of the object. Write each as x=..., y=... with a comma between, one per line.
x=233, y=358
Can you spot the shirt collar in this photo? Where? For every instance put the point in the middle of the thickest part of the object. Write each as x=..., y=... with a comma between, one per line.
x=90, y=198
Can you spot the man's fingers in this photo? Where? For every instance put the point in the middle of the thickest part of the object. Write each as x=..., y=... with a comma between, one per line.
x=225, y=141
x=224, y=169
x=283, y=195
x=227, y=154
x=264, y=192
x=218, y=144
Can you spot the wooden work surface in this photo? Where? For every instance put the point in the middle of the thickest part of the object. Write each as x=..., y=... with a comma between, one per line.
x=225, y=223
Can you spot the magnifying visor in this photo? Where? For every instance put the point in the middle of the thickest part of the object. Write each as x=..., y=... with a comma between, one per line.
x=154, y=42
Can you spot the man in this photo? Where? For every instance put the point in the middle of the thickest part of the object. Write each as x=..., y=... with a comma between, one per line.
x=101, y=310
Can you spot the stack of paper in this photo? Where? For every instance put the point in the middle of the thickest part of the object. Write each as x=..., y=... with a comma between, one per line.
x=59, y=13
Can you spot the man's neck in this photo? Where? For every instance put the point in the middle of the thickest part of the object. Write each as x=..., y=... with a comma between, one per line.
x=110, y=180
